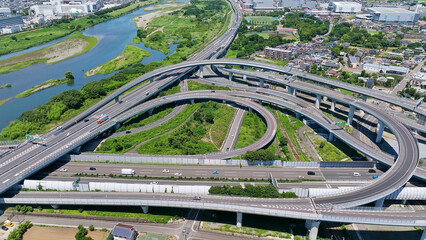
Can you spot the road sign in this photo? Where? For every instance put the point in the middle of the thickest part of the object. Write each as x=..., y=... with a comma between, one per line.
x=340, y=123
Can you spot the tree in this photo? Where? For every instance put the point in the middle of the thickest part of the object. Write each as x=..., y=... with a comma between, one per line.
x=93, y=90
x=69, y=76
x=14, y=38
x=91, y=228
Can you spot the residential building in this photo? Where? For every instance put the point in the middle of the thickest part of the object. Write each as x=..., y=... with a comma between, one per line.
x=275, y=5
x=5, y=12
x=385, y=14
x=278, y=53
x=123, y=232
x=352, y=61
x=345, y=7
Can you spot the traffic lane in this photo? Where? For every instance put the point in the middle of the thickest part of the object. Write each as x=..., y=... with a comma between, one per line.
x=350, y=174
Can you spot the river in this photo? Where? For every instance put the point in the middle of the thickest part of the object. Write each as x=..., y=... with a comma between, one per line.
x=112, y=36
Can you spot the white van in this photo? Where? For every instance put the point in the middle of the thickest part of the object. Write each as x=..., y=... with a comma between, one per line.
x=356, y=174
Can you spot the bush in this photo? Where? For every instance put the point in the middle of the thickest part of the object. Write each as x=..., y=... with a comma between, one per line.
x=18, y=232
x=258, y=191
x=91, y=228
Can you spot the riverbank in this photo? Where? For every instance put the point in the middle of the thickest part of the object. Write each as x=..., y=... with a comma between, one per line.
x=8, y=85
x=45, y=85
x=4, y=101
x=130, y=55
x=73, y=46
x=19, y=41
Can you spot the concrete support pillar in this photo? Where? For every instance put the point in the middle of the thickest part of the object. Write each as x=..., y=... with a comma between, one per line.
x=151, y=79
x=245, y=77
x=117, y=126
x=76, y=150
x=423, y=237
x=117, y=99
x=312, y=227
x=364, y=98
x=230, y=76
x=291, y=90
x=214, y=68
x=380, y=129
x=330, y=137
x=239, y=219
x=324, y=98
x=145, y=209
x=379, y=203
x=55, y=206
x=250, y=110
x=150, y=111
x=192, y=101
x=333, y=105
x=318, y=101
x=421, y=119
x=404, y=202
x=201, y=72
x=351, y=114
x=262, y=82
x=298, y=115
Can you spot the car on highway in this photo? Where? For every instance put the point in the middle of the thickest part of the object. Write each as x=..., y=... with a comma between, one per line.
x=4, y=228
x=153, y=183
x=213, y=91
x=371, y=170
x=215, y=172
x=196, y=198
x=178, y=174
x=356, y=174
x=86, y=120
x=128, y=131
x=375, y=176
x=63, y=170
x=166, y=170
x=311, y=173
x=92, y=168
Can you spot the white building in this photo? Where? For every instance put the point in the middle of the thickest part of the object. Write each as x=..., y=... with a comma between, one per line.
x=345, y=7
x=5, y=12
x=384, y=14
x=377, y=68
x=274, y=5
x=65, y=8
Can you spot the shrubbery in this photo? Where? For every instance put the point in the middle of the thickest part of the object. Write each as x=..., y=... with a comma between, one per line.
x=24, y=209
x=81, y=234
x=258, y=191
x=18, y=232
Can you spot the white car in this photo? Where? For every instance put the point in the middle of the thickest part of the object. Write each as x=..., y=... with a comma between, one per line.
x=63, y=170
x=166, y=170
x=178, y=174
x=154, y=183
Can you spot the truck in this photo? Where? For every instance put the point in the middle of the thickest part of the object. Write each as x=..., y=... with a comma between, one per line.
x=127, y=171
x=102, y=119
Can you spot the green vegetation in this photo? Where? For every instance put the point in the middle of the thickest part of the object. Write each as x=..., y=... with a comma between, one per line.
x=258, y=191
x=18, y=232
x=257, y=232
x=4, y=101
x=328, y=151
x=7, y=85
x=128, y=142
x=76, y=44
x=145, y=119
x=130, y=55
x=203, y=133
x=81, y=234
x=152, y=236
x=252, y=129
x=308, y=26
x=189, y=27
x=261, y=20
x=194, y=86
x=291, y=125
x=46, y=116
x=247, y=45
x=64, y=26
x=48, y=84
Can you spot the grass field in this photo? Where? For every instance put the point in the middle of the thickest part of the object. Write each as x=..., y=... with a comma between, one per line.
x=128, y=142
x=193, y=86
x=130, y=55
x=151, y=236
x=194, y=137
x=144, y=118
x=291, y=125
x=74, y=45
x=260, y=20
x=252, y=129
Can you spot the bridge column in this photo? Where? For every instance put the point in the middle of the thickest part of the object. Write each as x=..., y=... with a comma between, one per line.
x=201, y=73
x=76, y=150
x=312, y=227
x=379, y=202
x=151, y=79
x=230, y=76
x=116, y=126
x=380, y=128
x=364, y=98
x=330, y=137
x=421, y=119
x=150, y=111
x=239, y=219
x=262, y=82
x=145, y=209
x=291, y=90
x=404, y=202
x=298, y=115
x=318, y=101
x=117, y=99
x=423, y=237
x=55, y=206
x=333, y=105
x=192, y=101
x=351, y=114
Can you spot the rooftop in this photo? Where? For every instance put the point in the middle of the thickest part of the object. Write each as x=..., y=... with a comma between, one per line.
x=389, y=10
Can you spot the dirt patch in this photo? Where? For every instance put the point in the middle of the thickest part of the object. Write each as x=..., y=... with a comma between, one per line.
x=63, y=233
x=65, y=50
x=162, y=6
x=142, y=21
